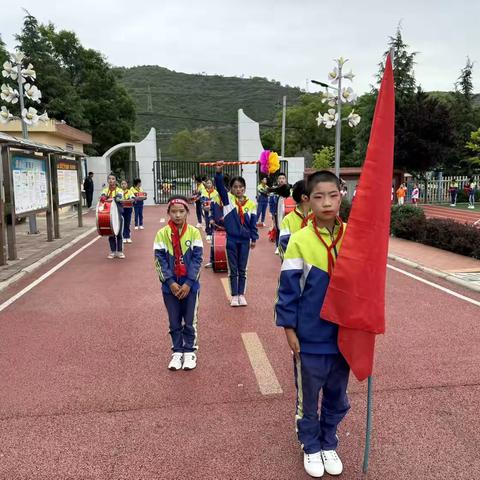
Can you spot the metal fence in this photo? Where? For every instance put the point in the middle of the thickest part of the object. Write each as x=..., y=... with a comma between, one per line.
x=438, y=190
x=177, y=177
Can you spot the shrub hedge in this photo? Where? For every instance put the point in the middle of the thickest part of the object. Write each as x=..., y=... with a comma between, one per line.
x=410, y=223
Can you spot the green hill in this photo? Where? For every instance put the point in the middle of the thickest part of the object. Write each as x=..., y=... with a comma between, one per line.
x=172, y=101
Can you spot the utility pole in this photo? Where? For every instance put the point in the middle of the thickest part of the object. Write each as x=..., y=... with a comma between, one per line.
x=149, y=100
x=284, y=117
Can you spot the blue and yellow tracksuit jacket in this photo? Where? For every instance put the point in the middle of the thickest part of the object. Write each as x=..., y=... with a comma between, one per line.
x=116, y=194
x=231, y=218
x=192, y=250
x=136, y=190
x=291, y=223
x=303, y=284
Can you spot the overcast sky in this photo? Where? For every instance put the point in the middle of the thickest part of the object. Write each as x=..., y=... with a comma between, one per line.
x=289, y=41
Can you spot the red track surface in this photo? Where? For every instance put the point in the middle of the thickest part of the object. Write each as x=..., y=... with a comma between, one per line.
x=85, y=393
x=461, y=216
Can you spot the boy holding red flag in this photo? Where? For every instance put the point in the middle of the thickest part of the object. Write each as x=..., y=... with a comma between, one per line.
x=308, y=264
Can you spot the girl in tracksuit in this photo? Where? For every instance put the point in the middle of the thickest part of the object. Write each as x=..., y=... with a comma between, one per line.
x=240, y=220
x=178, y=253
x=262, y=201
x=127, y=212
x=138, y=205
x=208, y=195
x=112, y=193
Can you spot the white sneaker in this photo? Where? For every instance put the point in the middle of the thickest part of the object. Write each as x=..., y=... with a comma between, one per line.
x=176, y=361
x=277, y=252
x=189, y=360
x=129, y=240
x=452, y=204
x=209, y=238
x=120, y=255
x=111, y=255
x=141, y=227
x=234, y=301
x=332, y=463
x=124, y=240
x=199, y=225
x=208, y=265
x=242, y=301
x=312, y=462
x=136, y=228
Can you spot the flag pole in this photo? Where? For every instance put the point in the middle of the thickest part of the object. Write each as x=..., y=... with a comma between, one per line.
x=368, y=429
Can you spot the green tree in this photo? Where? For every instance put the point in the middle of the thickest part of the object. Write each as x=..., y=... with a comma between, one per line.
x=324, y=158
x=473, y=145
x=423, y=131
x=303, y=136
x=465, y=118
x=195, y=145
x=4, y=56
x=78, y=85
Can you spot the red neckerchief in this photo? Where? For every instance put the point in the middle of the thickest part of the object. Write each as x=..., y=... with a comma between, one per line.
x=180, y=267
x=210, y=192
x=111, y=191
x=331, y=259
x=304, y=219
x=240, y=210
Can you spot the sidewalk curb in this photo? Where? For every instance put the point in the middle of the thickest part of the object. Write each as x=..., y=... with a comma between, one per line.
x=34, y=266
x=434, y=272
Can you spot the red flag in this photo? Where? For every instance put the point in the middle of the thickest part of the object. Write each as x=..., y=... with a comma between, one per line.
x=355, y=298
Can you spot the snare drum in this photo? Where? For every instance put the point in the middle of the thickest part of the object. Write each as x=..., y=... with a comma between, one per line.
x=127, y=203
x=219, y=245
x=108, y=218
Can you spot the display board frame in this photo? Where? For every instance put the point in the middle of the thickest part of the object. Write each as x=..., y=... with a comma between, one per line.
x=14, y=155
x=73, y=167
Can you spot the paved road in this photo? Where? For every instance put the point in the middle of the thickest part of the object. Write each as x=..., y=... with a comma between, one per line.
x=85, y=393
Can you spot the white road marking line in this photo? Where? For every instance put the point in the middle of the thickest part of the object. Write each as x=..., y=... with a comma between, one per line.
x=434, y=285
x=262, y=368
x=29, y=287
x=226, y=287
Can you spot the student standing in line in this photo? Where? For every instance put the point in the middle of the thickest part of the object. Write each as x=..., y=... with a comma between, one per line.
x=297, y=219
x=240, y=220
x=209, y=195
x=401, y=192
x=415, y=195
x=283, y=187
x=138, y=205
x=262, y=201
x=472, y=187
x=453, y=189
x=127, y=211
x=178, y=250
x=112, y=193
x=318, y=364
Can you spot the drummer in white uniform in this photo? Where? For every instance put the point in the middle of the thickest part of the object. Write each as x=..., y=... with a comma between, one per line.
x=113, y=193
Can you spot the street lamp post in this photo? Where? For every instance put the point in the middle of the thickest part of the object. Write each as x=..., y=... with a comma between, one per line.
x=14, y=69
x=333, y=117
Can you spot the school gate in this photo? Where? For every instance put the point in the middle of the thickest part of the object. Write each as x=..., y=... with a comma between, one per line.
x=176, y=177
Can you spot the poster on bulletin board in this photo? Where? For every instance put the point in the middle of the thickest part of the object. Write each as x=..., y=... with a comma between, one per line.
x=68, y=187
x=29, y=183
